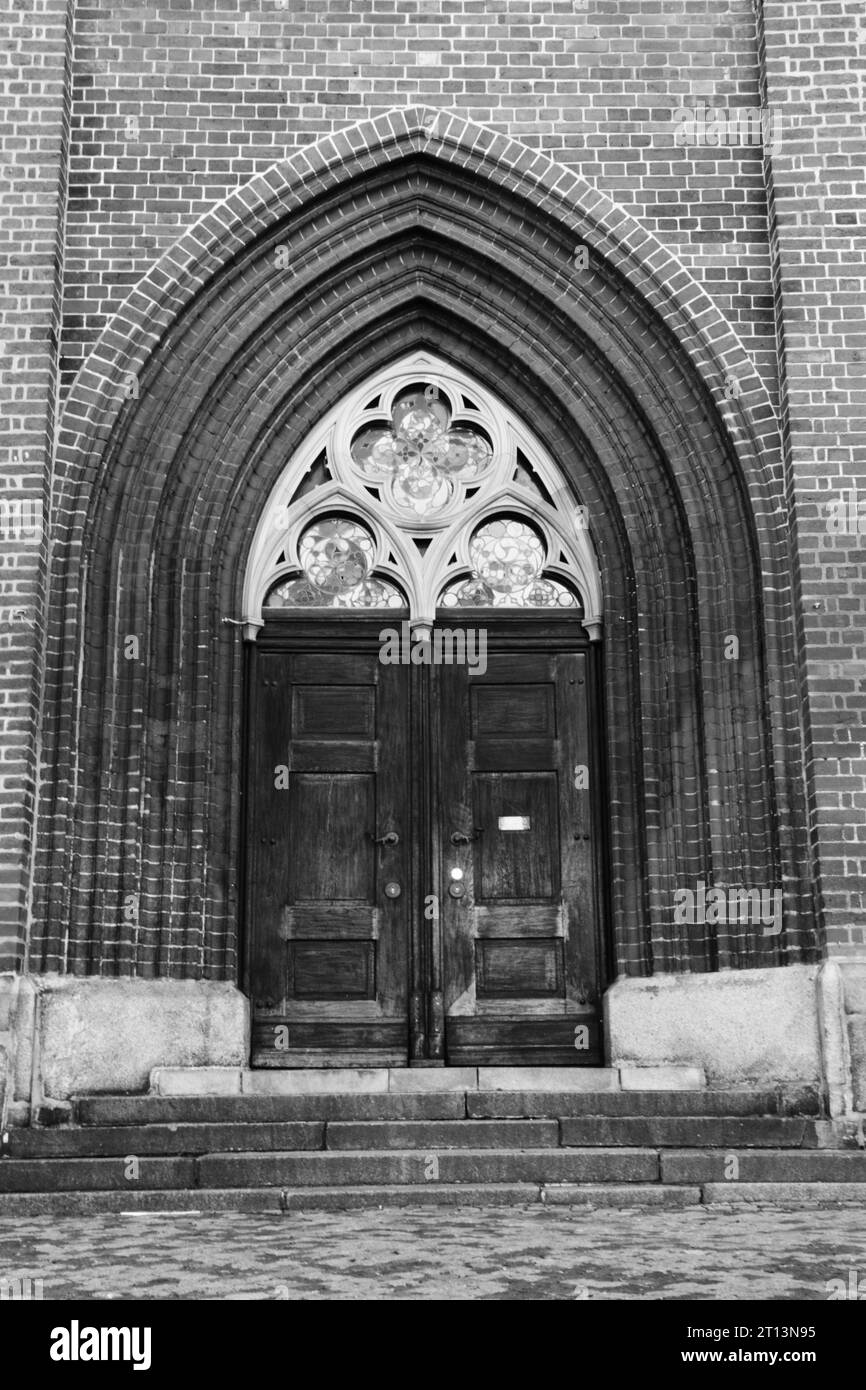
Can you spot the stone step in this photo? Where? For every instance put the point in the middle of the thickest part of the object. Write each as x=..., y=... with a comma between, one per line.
x=419, y=1167
x=719, y=1170
x=696, y=1132
x=276, y=1201
x=140, y=1110
x=357, y=1136
x=557, y=1104
x=249, y=1109
x=168, y=1139
x=89, y=1174
x=165, y=1139
x=328, y=1169
x=764, y=1165
x=679, y=1132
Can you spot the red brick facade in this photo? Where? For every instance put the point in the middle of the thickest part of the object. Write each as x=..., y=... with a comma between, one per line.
x=431, y=171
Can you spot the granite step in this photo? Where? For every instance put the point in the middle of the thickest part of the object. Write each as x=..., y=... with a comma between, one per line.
x=90, y=1174
x=328, y=1169
x=792, y=1100
x=150, y=1109
x=358, y=1136
x=198, y=1138
x=276, y=1201
x=171, y=1139
x=734, y=1169
x=165, y=1140
x=433, y=1154
x=376, y=1167
x=696, y=1132
x=484, y=1104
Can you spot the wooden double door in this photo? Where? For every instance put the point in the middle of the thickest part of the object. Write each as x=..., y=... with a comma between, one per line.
x=423, y=860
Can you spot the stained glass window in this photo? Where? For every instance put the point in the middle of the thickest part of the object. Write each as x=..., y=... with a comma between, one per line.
x=419, y=454
x=337, y=556
x=421, y=491
x=508, y=556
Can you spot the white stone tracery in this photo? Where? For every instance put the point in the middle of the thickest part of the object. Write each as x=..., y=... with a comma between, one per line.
x=422, y=518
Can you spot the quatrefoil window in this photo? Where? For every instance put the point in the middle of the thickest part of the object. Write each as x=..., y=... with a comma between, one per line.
x=419, y=454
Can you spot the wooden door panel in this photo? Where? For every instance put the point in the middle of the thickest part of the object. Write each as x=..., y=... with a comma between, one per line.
x=321, y=711
x=497, y=709
x=512, y=920
x=517, y=853
x=332, y=970
x=337, y=921
x=333, y=756
x=529, y=755
x=329, y=961
x=326, y=860
x=521, y=934
x=520, y=1042
x=520, y=969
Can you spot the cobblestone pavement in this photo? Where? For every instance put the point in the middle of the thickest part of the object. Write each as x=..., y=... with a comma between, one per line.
x=463, y=1253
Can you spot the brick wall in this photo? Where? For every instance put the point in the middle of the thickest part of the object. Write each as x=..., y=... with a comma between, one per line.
x=34, y=129
x=177, y=104
x=814, y=58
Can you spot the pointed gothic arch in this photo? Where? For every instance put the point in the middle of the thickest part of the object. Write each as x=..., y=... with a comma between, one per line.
x=402, y=237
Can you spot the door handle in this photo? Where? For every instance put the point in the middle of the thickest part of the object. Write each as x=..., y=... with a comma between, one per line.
x=391, y=838
x=458, y=838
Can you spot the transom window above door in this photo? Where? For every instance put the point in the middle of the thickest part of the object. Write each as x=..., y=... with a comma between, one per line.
x=422, y=492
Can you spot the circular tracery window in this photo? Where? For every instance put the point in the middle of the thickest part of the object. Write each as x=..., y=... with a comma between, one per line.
x=423, y=492
x=336, y=554
x=508, y=556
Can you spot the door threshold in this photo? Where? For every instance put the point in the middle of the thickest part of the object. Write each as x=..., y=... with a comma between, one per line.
x=236, y=1081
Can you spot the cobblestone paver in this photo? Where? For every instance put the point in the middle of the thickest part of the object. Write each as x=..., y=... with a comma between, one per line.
x=441, y=1254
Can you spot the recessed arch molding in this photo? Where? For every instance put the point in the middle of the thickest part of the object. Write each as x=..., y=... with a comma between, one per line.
x=391, y=237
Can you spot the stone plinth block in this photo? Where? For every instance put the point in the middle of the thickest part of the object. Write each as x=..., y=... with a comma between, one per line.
x=742, y=1027
x=110, y=1034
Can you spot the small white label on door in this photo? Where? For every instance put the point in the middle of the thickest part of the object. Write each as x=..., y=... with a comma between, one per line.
x=514, y=822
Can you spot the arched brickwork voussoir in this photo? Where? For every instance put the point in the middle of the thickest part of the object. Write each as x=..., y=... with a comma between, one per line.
x=400, y=237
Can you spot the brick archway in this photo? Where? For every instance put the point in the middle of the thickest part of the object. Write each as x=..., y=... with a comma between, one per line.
x=399, y=233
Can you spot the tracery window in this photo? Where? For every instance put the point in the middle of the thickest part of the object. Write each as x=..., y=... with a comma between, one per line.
x=422, y=492
x=337, y=556
x=507, y=556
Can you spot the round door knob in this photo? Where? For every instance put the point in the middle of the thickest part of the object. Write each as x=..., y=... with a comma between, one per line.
x=457, y=889
x=392, y=890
